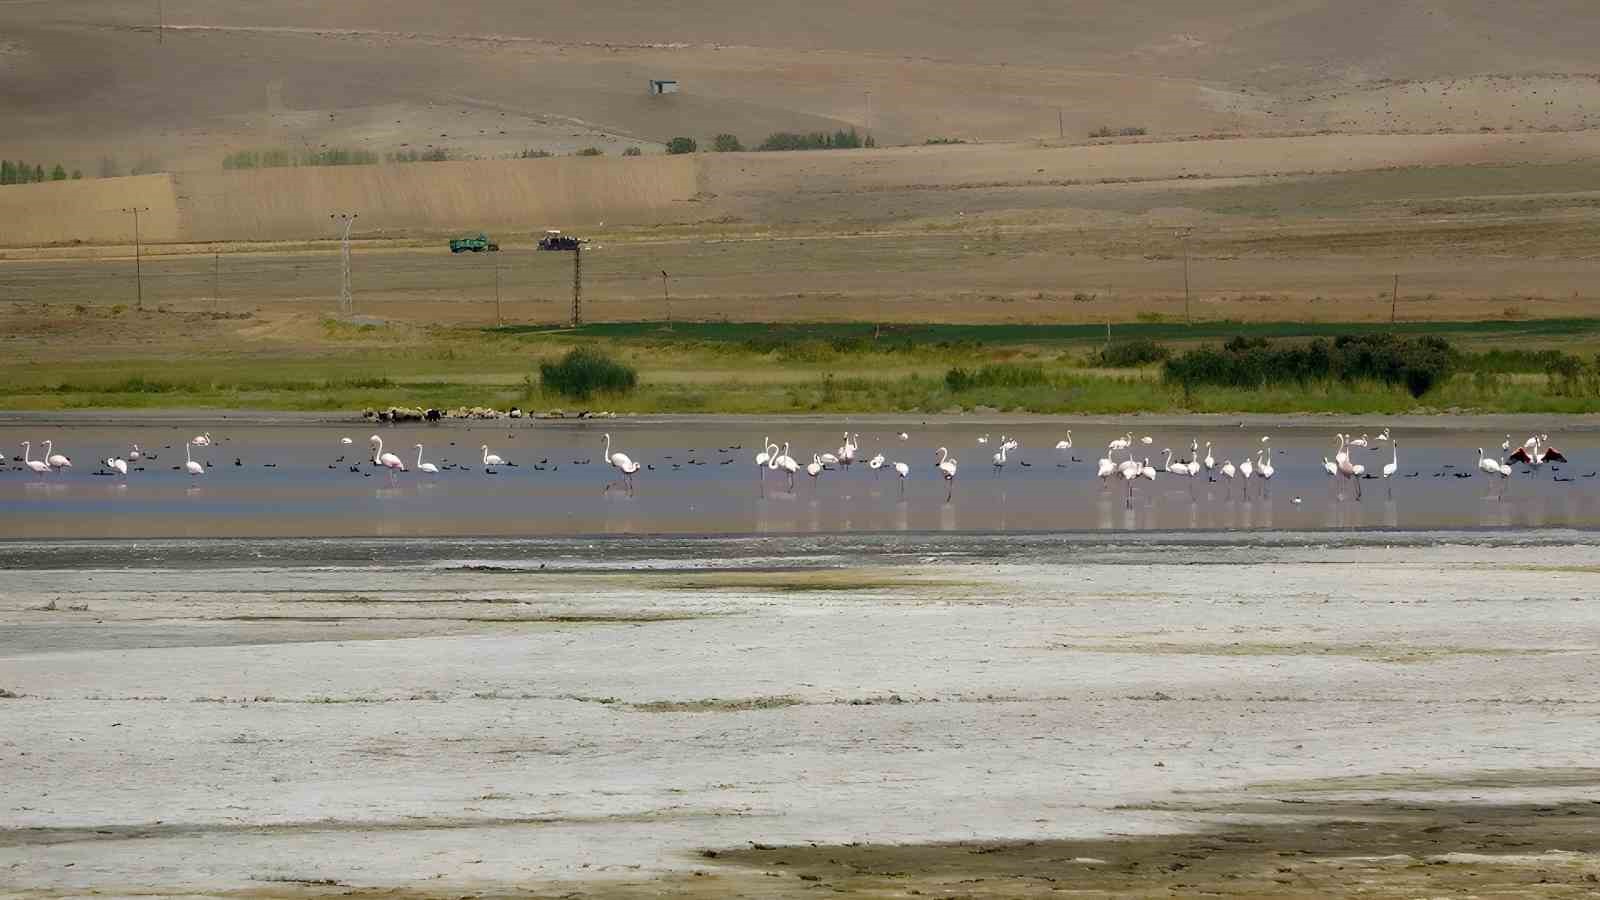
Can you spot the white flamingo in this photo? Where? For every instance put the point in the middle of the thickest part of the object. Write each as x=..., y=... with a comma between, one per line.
x=1000, y=458
x=622, y=464
x=787, y=463
x=118, y=465
x=201, y=440
x=1359, y=442
x=1393, y=465
x=814, y=468
x=36, y=466
x=387, y=460
x=947, y=467
x=903, y=436
x=875, y=464
x=984, y=439
x=1535, y=457
x=189, y=464
x=135, y=454
x=1130, y=471
x=489, y=459
x=346, y=441
x=1067, y=443
x=1264, y=468
x=1121, y=443
x=1227, y=471
x=1247, y=470
x=1210, y=461
x=765, y=460
x=428, y=467
x=1104, y=470
x=57, y=461
x=904, y=471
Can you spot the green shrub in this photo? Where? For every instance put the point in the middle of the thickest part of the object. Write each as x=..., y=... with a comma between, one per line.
x=682, y=145
x=590, y=151
x=817, y=140
x=995, y=375
x=534, y=153
x=726, y=143
x=1130, y=354
x=633, y=151
x=943, y=140
x=585, y=371
x=1416, y=363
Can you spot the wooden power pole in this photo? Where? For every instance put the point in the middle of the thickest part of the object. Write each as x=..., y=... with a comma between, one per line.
x=577, y=286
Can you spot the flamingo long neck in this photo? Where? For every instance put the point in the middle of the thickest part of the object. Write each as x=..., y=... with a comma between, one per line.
x=378, y=453
x=486, y=454
x=419, y=456
x=943, y=455
x=186, y=457
x=608, y=446
x=47, y=447
x=27, y=451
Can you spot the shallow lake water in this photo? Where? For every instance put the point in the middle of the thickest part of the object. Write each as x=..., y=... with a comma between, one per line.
x=299, y=480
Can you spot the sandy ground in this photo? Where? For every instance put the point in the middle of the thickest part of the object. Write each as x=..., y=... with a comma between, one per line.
x=434, y=729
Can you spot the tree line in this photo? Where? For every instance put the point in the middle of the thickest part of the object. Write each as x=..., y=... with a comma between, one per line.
x=25, y=173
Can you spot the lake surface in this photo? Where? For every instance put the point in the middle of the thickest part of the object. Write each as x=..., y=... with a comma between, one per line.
x=296, y=480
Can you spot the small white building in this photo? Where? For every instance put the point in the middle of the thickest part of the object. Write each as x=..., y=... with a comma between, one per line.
x=663, y=86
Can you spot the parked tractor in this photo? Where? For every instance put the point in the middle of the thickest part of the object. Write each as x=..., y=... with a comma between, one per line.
x=476, y=243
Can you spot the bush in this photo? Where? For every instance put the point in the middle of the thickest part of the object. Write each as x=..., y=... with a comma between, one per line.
x=1107, y=131
x=944, y=140
x=726, y=143
x=633, y=151
x=585, y=371
x=1007, y=375
x=1417, y=363
x=816, y=140
x=1130, y=354
x=682, y=145
x=590, y=151
x=534, y=153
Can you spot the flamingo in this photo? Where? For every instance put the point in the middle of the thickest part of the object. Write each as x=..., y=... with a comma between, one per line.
x=1247, y=470
x=786, y=462
x=1264, y=468
x=826, y=459
x=1147, y=440
x=1359, y=442
x=622, y=463
x=387, y=460
x=1227, y=471
x=903, y=436
x=814, y=468
x=37, y=466
x=1210, y=461
x=1104, y=470
x=1505, y=445
x=56, y=460
x=1067, y=443
x=1393, y=465
x=1130, y=471
x=201, y=440
x=118, y=465
x=428, y=467
x=904, y=471
x=346, y=441
x=1385, y=435
x=135, y=454
x=1488, y=465
x=1534, y=458
x=875, y=464
x=1000, y=458
x=765, y=460
x=1121, y=443
x=947, y=467
x=1347, y=469
x=189, y=464
x=984, y=439
x=489, y=459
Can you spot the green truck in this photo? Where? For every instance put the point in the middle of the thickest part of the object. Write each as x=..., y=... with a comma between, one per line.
x=477, y=243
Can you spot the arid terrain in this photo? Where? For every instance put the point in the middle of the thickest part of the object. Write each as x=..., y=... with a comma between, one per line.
x=986, y=717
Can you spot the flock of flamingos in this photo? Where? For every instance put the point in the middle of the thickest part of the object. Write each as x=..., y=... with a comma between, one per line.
x=1534, y=452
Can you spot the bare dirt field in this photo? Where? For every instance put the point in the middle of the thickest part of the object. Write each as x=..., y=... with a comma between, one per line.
x=885, y=716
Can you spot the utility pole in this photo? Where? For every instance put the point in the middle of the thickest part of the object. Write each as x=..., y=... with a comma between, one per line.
x=347, y=301
x=1183, y=235
x=1061, y=123
x=138, y=260
x=577, y=285
x=1394, y=299
x=498, y=320
x=666, y=294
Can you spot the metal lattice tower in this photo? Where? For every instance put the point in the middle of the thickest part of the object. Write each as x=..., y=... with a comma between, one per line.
x=347, y=302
